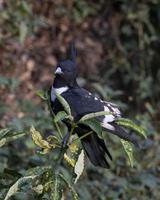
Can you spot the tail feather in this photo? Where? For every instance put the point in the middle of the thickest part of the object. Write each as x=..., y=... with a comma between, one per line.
x=120, y=132
x=96, y=150
x=104, y=148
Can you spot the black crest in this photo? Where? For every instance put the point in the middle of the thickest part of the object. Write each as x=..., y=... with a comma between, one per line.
x=72, y=52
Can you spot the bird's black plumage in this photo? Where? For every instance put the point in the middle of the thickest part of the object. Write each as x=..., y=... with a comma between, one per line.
x=81, y=103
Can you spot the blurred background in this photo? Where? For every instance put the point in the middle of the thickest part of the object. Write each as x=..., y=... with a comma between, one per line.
x=118, y=44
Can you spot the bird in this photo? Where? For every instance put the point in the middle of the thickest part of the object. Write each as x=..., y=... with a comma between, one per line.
x=83, y=102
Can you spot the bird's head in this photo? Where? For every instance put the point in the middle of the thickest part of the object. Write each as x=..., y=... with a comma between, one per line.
x=66, y=70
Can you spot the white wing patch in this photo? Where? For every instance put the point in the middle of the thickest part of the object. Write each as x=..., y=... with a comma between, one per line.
x=108, y=126
x=109, y=107
x=112, y=108
x=58, y=91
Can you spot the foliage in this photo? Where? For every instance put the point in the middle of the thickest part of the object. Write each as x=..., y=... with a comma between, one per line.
x=118, y=57
x=19, y=23
x=130, y=124
x=7, y=135
x=73, y=155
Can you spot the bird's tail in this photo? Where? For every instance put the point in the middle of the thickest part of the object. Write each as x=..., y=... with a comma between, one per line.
x=96, y=150
x=120, y=132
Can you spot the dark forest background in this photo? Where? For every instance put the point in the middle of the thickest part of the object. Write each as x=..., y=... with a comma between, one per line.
x=118, y=44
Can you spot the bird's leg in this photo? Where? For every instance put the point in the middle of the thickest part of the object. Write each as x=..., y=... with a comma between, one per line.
x=65, y=140
x=68, y=134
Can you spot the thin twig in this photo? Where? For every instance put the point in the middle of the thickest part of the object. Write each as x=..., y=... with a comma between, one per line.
x=82, y=137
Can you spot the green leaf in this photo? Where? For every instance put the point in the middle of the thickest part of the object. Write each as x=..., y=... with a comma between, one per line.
x=53, y=140
x=56, y=190
x=37, y=171
x=69, y=160
x=130, y=124
x=39, y=141
x=94, y=115
x=4, y=132
x=72, y=154
x=42, y=95
x=5, y=140
x=71, y=188
x=79, y=166
x=64, y=104
x=93, y=124
x=38, y=189
x=60, y=116
x=128, y=149
x=16, y=186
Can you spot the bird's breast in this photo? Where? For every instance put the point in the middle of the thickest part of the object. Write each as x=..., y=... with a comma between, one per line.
x=55, y=91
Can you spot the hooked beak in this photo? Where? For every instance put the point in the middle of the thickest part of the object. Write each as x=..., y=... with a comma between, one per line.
x=58, y=71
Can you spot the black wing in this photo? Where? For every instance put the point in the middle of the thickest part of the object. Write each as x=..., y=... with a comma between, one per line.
x=83, y=102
